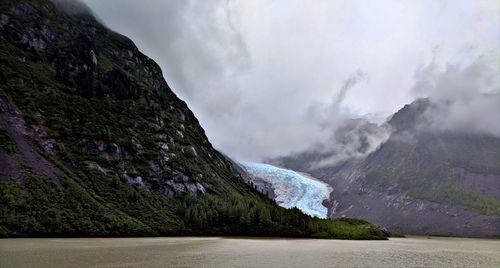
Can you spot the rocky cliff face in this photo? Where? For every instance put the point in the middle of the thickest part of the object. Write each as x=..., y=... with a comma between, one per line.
x=78, y=100
x=79, y=89
x=94, y=142
x=420, y=181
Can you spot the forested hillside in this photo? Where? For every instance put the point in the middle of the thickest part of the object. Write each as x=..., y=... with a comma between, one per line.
x=93, y=142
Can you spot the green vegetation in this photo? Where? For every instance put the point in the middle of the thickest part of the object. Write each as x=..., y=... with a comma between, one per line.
x=237, y=216
x=49, y=210
x=68, y=210
x=454, y=194
x=430, y=170
x=434, y=188
x=114, y=121
x=6, y=142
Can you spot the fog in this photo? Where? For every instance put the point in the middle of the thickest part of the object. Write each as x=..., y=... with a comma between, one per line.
x=465, y=95
x=269, y=78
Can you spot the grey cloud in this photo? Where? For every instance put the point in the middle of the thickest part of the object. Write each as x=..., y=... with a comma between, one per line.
x=268, y=78
x=351, y=139
x=342, y=137
x=330, y=115
x=465, y=97
x=348, y=84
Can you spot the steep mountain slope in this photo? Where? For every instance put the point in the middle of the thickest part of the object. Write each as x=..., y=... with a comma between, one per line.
x=419, y=181
x=94, y=143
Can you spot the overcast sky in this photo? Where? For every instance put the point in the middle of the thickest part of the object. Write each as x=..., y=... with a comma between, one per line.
x=267, y=78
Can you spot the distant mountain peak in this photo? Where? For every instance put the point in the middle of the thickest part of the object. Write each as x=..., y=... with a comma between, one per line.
x=423, y=179
x=411, y=115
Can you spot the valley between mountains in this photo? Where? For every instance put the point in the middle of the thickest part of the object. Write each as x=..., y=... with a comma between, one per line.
x=94, y=143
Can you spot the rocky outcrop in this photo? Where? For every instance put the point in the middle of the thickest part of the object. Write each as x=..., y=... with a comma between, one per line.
x=27, y=156
x=81, y=104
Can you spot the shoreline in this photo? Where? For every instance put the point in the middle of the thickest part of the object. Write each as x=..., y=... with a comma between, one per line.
x=429, y=237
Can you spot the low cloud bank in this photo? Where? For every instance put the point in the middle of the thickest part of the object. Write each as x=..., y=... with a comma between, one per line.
x=460, y=97
x=270, y=78
x=354, y=138
x=465, y=95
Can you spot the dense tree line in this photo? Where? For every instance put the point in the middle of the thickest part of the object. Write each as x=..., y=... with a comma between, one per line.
x=238, y=216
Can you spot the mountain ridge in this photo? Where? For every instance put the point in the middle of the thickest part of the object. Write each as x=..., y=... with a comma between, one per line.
x=94, y=143
x=418, y=181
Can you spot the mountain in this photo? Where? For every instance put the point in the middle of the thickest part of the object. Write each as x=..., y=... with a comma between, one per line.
x=416, y=181
x=93, y=142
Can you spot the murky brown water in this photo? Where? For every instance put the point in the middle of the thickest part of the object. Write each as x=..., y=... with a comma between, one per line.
x=236, y=252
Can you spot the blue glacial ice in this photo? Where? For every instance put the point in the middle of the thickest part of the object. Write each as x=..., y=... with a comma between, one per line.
x=293, y=189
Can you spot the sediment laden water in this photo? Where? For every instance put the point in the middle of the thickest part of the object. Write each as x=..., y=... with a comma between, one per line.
x=237, y=252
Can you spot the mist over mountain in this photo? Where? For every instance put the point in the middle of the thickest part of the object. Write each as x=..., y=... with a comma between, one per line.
x=397, y=110
x=459, y=98
x=436, y=167
x=353, y=139
x=466, y=98
x=93, y=142
x=260, y=133
x=421, y=179
x=302, y=89
x=287, y=80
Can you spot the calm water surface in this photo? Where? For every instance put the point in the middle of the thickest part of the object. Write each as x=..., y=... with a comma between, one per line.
x=237, y=252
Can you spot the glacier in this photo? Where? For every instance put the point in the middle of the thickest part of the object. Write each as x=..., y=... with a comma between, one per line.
x=293, y=189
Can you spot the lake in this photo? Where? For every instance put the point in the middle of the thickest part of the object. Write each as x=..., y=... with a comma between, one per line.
x=248, y=252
